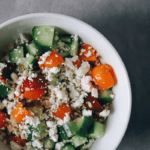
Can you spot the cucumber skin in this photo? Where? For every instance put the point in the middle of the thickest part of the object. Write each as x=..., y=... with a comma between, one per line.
x=16, y=52
x=97, y=131
x=48, y=143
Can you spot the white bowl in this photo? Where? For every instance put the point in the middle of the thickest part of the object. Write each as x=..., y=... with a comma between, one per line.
x=118, y=120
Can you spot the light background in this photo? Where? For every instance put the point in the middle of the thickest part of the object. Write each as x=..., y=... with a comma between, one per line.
x=126, y=24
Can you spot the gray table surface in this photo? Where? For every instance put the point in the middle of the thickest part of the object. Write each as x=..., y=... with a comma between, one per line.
x=126, y=24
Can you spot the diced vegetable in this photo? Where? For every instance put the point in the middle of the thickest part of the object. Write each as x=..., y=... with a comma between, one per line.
x=77, y=63
x=40, y=130
x=16, y=53
x=34, y=94
x=3, y=91
x=54, y=60
x=38, y=82
x=19, y=113
x=66, y=38
x=105, y=96
x=102, y=77
x=17, y=139
x=31, y=60
x=74, y=47
x=111, y=70
x=62, y=110
x=32, y=49
x=68, y=147
x=64, y=54
x=88, y=53
x=97, y=131
x=43, y=37
x=92, y=104
x=87, y=145
x=37, y=110
x=2, y=80
x=56, y=80
x=48, y=143
x=3, y=120
x=78, y=140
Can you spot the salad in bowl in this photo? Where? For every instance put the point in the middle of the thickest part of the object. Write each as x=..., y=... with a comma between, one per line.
x=56, y=94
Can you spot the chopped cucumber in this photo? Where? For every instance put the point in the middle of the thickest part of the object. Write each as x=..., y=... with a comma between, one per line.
x=80, y=126
x=105, y=96
x=65, y=54
x=74, y=47
x=3, y=91
x=32, y=49
x=37, y=110
x=66, y=39
x=48, y=143
x=68, y=147
x=43, y=37
x=30, y=60
x=87, y=145
x=35, y=148
x=83, y=125
x=16, y=53
x=78, y=140
x=97, y=131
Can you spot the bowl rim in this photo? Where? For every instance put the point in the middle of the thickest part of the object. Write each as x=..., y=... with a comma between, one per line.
x=21, y=17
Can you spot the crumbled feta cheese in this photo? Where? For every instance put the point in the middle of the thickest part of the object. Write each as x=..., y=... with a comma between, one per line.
x=87, y=112
x=88, y=54
x=14, y=77
x=51, y=124
x=82, y=51
x=66, y=118
x=86, y=83
x=69, y=64
x=84, y=68
x=37, y=143
x=74, y=58
x=94, y=92
x=54, y=137
x=59, y=145
x=55, y=70
x=10, y=107
x=112, y=96
x=2, y=66
x=105, y=113
x=43, y=57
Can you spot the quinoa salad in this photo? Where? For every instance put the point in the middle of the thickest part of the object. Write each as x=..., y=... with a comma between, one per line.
x=55, y=93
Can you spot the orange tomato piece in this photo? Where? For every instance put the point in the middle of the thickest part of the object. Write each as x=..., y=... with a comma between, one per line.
x=88, y=53
x=111, y=70
x=34, y=94
x=19, y=113
x=77, y=63
x=62, y=110
x=54, y=60
x=102, y=77
x=17, y=139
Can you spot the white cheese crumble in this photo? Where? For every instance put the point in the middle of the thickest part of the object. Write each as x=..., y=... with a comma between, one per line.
x=2, y=66
x=88, y=54
x=105, y=113
x=94, y=92
x=87, y=112
x=112, y=96
x=37, y=143
x=59, y=145
x=43, y=57
x=86, y=83
x=84, y=68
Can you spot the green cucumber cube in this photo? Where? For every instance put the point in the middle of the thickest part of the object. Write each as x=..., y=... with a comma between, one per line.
x=16, y=53
x=43, y=37
x=68, y=147
x=3, y=91
x=105, y=96
x=97, y=131
x=48, y=143
x=31, y=49
x=78, y=140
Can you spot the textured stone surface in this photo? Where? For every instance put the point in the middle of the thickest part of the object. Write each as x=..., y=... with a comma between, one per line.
x=126, y=24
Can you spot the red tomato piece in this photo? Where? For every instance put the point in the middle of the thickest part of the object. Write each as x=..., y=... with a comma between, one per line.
x=34, y=94
x=77, y=63
x=62, y=110
x=92, y=104
x=17, y=140
x=3, y=80
x=88, y=53
x=3, y=120
x=38, y=82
